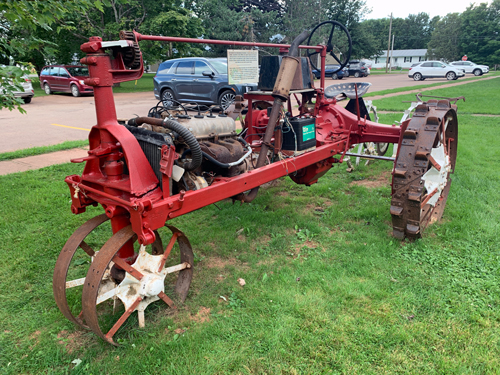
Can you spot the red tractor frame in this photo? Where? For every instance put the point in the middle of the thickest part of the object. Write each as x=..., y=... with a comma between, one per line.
x=137, y=201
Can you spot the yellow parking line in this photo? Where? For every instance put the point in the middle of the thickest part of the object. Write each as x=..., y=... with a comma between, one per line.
x=71, y=127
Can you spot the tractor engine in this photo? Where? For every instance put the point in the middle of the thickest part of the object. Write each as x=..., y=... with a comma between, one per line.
x=207, y=147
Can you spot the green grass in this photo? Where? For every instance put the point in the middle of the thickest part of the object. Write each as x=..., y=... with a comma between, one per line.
x=328, y=290
x=481, y=97
x=403, y=89
x=145, y=83
x=42, y=150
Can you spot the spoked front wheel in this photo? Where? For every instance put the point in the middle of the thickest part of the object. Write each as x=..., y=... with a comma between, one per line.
x=70, y=269
x=421, y=177
x=73, y=264
x=147, y=280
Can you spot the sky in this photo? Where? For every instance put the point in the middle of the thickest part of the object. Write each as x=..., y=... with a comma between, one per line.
x=401, y=9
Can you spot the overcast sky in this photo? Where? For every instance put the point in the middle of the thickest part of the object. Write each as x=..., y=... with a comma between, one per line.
x=401, y=9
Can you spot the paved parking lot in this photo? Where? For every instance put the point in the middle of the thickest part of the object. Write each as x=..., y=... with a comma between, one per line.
x=57, y=118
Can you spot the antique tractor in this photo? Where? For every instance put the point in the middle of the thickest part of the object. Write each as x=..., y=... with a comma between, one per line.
x=148, y=170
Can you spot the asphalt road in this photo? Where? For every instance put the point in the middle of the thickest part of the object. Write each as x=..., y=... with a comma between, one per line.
x=60, y=117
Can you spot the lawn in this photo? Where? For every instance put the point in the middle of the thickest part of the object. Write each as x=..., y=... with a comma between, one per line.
x=328, y=290
x=481, y=97
x=430, y=84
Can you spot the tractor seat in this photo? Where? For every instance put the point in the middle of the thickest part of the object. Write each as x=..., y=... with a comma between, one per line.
x=347, y=89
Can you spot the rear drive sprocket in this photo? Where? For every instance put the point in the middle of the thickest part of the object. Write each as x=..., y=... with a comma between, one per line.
x=421, y=176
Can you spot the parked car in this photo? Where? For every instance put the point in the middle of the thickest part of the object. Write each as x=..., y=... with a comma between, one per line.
x=65, y=78
x=197, y=79
x=329, y=72
x=358, y=68
x=27, y=92
x=434, y=69
x=470, y=67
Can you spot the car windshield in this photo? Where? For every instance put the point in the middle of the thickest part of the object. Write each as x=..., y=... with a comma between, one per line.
x=78, y=71
x=220, y=66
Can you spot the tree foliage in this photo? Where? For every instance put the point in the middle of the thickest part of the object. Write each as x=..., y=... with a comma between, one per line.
x=444, y=40
x=21, y=22
x=178, y=23
x=480, y=33
x=236, y=20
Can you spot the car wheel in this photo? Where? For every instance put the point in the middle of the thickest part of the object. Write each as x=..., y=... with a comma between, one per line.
x=450, y=76
x=356, y=75
x=226, y=99
x=74, y=91
x=27, y=100
x=335, y=76
x=47, y=89
x=417, y=77
x=168, y=98
x=477, y=72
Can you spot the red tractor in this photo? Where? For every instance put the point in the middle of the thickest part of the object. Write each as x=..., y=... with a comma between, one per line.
x=151, y=169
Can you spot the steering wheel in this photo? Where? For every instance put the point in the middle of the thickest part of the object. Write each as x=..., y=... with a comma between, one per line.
x=332, y=47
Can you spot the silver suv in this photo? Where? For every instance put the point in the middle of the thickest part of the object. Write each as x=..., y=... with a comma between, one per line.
x=197, y=80
x=471, y=68
x=434, y=69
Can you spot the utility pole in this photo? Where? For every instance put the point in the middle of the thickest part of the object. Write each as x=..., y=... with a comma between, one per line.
x=392, y=50
x=388, y=44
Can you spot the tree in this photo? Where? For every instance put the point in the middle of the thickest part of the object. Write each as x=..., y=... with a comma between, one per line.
x=306, y=14
x=414, y=32
x=480, y=38
x=178, y=22
x=19, y=22
x=235, y=20
x=444, y=40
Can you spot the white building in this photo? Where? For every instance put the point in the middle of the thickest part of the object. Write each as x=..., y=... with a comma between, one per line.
x=403, y=58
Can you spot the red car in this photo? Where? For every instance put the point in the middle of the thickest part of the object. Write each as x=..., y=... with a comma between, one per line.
x=65, y=78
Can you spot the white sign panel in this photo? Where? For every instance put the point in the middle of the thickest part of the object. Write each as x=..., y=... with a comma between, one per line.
x=242, y=66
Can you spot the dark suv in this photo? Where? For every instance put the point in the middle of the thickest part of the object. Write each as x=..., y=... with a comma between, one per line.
x=329, y=72
x=65, y=78
x=197, y=80
x=358, y=69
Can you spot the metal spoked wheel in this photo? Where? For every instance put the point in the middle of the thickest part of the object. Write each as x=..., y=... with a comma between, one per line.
x=421, y=178
x=70, y=270
x=226, y=99
x=73, y=263
x=150, y=278
x=371, y=148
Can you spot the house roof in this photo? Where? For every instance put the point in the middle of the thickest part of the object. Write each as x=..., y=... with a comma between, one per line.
x=404, y=53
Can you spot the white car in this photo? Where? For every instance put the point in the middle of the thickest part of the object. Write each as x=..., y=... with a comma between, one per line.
x=471, y=67
x=28, y=91
x=435, y=69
